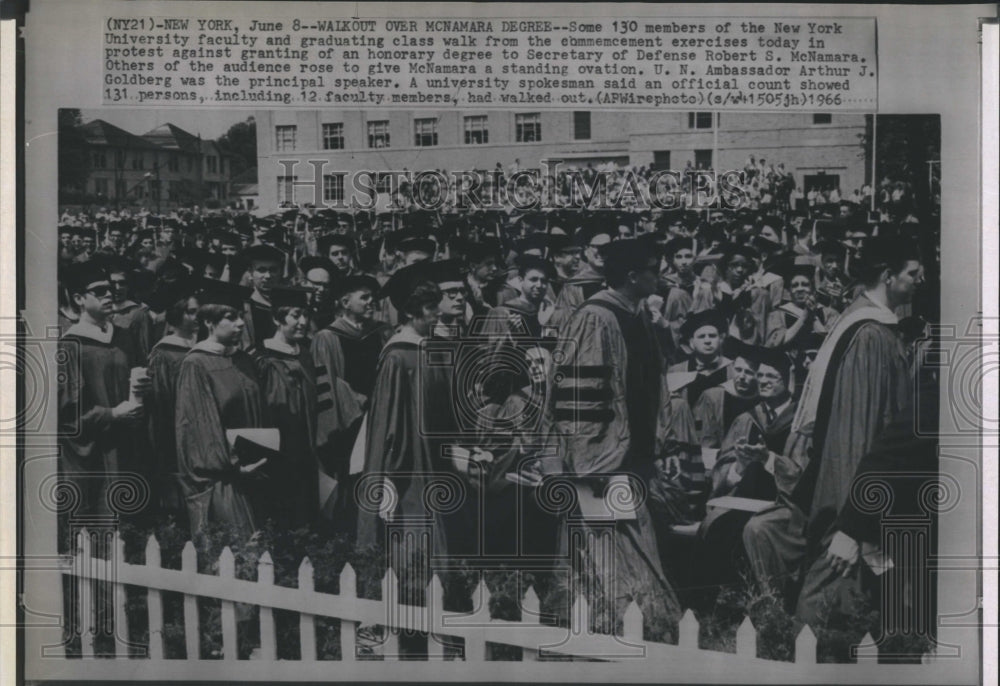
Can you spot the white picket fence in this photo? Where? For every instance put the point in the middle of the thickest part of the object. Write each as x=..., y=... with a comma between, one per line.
x=476, y=628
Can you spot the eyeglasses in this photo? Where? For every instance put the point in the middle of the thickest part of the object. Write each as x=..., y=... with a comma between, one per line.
x=453, y=292
x=100, y=291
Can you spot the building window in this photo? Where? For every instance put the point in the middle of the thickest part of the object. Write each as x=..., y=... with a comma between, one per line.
x=476, y=132
x=699, y=120
x=528, y=127
x=100, y=162
x=137, y=161
x=661, y=160
x=286, y=188
x=173, y=191
x=333, y=188
x=581, y=126
x=284, y=138
x=822, y=119
x=120, y=188
x=702, y=159
x=378, y=134
x=101, y=187
x=172, y=162
x=119, y=159
x=333, y=136
x=425, y=132
x=213, y=163
x=190, y=164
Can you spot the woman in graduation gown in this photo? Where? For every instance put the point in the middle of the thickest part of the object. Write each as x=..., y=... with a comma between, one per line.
x=217, y=389
x=287, y=378
x=790, y=325
x=410, y=403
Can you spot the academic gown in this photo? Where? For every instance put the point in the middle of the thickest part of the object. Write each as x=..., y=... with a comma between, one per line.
x=721, y=531
x=288, y=382
x=259, y=324
x=784, y=318
x=717, y=408
x=409, y=404
x=575, y=290
x=164, y=368
x=215, y=392
x=518, y=431
x=866, y=383
x=135, y=319
x=94, y=447
x=345, y=359
x=605, y=419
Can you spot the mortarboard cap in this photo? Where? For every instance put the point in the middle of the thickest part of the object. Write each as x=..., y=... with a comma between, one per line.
x=676, y=244
x=289, y=296
x=697, y=320
x=448, y=271
x=212, y=292
x=734, y=347
x=263, y=253
x=76, y=277
x=776, y=359
x=401, y=285
x=310, y=262
x=354, y=283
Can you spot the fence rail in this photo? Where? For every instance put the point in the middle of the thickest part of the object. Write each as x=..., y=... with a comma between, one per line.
x=476, y=628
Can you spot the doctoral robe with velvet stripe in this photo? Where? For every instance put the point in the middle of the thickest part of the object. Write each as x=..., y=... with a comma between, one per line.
x=606, y=398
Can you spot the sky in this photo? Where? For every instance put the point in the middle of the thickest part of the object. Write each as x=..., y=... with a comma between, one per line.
x=209, y=124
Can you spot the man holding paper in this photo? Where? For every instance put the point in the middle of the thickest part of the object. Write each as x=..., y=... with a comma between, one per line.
x=859, y=381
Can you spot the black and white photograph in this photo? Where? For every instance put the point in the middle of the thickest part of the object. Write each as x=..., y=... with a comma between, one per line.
x=607, y=383
x=502, y=344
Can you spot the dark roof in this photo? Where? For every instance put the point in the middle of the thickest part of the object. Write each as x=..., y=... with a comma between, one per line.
x=173, y=138
x=100, y=132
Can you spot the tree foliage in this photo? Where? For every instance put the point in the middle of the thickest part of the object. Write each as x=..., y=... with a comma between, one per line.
x=73, y=155
x=240, y=141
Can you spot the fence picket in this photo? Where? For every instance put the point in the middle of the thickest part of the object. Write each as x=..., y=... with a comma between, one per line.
x=121, y=603
x=348, y=628
x=805, y=647
x=189, y=564
x=390, y=603
x=867, y=649
x=85, y=594
x=687, y=631
x=154, y=600
x=434, y=614
x=579, y=618
x=265, y=577
x=478, y=630
x=746, y=639
x=227, y=570
x=307, y=623
x=530, y=615
x=632, y=622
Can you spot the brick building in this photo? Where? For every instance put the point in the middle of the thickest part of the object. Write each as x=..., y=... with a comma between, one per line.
x=164, y=168
x=822, y=150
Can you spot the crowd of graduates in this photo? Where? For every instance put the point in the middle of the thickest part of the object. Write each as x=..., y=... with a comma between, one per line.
x=732, y=369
